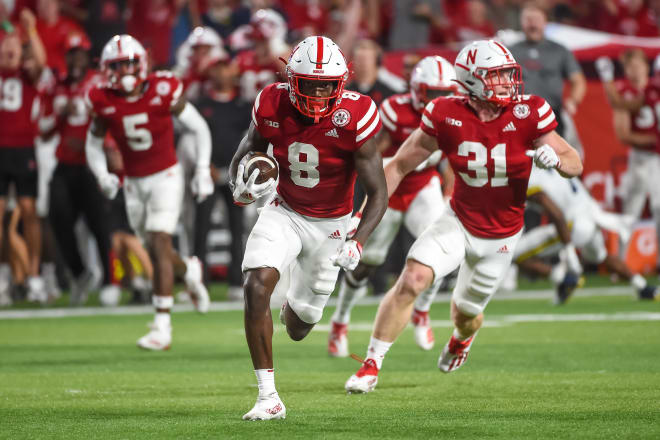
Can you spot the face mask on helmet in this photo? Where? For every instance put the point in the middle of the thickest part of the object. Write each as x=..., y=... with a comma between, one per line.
x=502, y=85
x=124, y=73
x=316, y=97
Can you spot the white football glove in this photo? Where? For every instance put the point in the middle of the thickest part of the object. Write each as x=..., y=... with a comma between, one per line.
x=605, y=69
x=544, y=157
x=353, y=224
x=109, y=184
x=202, y=184
x=569, y=255
x=247, y=192
x=348, y=256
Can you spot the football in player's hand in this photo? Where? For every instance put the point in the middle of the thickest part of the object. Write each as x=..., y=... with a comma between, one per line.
x=264, y=163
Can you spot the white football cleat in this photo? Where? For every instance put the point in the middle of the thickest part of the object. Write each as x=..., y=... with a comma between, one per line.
x=110, y=295
x=158, y=339
x=454, y=354
x=267, y=408
x=423, y=332
x=37, y=290
x=194, y=280
x=365, y=380
x=338, y=340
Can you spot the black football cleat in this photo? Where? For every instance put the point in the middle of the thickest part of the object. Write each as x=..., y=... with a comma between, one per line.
x=648, y=293
x=566, y=288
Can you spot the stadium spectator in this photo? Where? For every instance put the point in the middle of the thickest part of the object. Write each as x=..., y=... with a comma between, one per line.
x=228, y=116
x=24, y=76
x=306, y=17
x=53, y=30
x=73, y=190
x=101, y=18
x=472, y=23
x=628, y=17
x=412, y=22
x=368, y=78
x=546, y=65
x=225, y=16
x=151, y=22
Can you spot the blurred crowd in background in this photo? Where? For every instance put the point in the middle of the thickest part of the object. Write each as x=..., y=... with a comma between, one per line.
x=225, y=51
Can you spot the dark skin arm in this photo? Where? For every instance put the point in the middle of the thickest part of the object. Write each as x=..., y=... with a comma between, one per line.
x=554, y=214
x=369, y=167
x=253, y=141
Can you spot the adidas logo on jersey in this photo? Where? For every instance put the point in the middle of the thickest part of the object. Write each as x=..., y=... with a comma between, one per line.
x=332, y=133
x=503, y=250
x=156, y=101
x=509, y=127
x=335, y=235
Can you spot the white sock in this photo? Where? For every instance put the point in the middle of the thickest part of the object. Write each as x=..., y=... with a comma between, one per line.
x=162, y=320
x=348, y=297
x=558, y=273
x=266, y=381
x=638, y=281
x=377, y=350
x=425, y=299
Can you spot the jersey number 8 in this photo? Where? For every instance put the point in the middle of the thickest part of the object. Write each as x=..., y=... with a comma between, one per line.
x=304, y=172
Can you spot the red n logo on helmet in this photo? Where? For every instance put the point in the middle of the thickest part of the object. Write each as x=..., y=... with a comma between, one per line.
x=472, y=56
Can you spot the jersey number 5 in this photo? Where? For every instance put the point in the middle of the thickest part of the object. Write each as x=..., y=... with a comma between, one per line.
x=139, y=139
x=303, y=160
x=478, y=164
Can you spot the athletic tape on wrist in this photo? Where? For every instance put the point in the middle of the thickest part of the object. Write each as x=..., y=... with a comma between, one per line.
x=163, y=302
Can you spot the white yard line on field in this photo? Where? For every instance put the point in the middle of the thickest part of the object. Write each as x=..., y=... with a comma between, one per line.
x=225, y=306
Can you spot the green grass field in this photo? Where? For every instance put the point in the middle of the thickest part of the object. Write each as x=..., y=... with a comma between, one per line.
x=571, y=377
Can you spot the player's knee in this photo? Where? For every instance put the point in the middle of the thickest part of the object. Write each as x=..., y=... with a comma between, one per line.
x=28, y=208
x=298, y=333
x=413, y=281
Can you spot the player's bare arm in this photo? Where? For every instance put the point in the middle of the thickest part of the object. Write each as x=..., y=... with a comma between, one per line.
x=384, y=140
x=252, y=141
x=570, y=164
x=621, y=120
x=415, y=150
x=201, y=184
x=369, y=167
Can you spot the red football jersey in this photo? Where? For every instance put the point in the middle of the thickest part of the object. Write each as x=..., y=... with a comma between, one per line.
x=316, y=168
x=489, y=159
x=400, y=119
x=141, y=126
x=20, y=107
x=72, y=128
x=650, y=112
x=644, y=119
x=254, y=76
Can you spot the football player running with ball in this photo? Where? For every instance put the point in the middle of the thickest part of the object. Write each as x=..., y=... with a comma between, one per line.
x=416, y=203
x=488, y=137
x=137, y=109
x=322, y=137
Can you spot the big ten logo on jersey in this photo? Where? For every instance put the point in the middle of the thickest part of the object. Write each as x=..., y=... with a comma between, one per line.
x=454, y=122
x=11, y=94
x=403, y=99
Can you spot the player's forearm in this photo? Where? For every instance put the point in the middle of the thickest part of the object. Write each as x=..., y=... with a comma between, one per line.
x=640, y=141
x=570, y=163
x=38, y=50
x=373, y=210
x=191, y=118
x=95, y=156
x=393, y=176
x=578, y=88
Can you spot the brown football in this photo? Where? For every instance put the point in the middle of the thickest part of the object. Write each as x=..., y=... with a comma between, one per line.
x=261, y=161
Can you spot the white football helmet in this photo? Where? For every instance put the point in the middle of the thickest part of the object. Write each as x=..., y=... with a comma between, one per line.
x=316, y=62
x=124, y=62
x=203, y=36
x=431, y=77
x=267, y=24
x=488, y=71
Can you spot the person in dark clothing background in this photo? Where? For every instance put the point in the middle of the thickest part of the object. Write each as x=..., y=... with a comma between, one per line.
x=73, y=189
x=228, y=117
